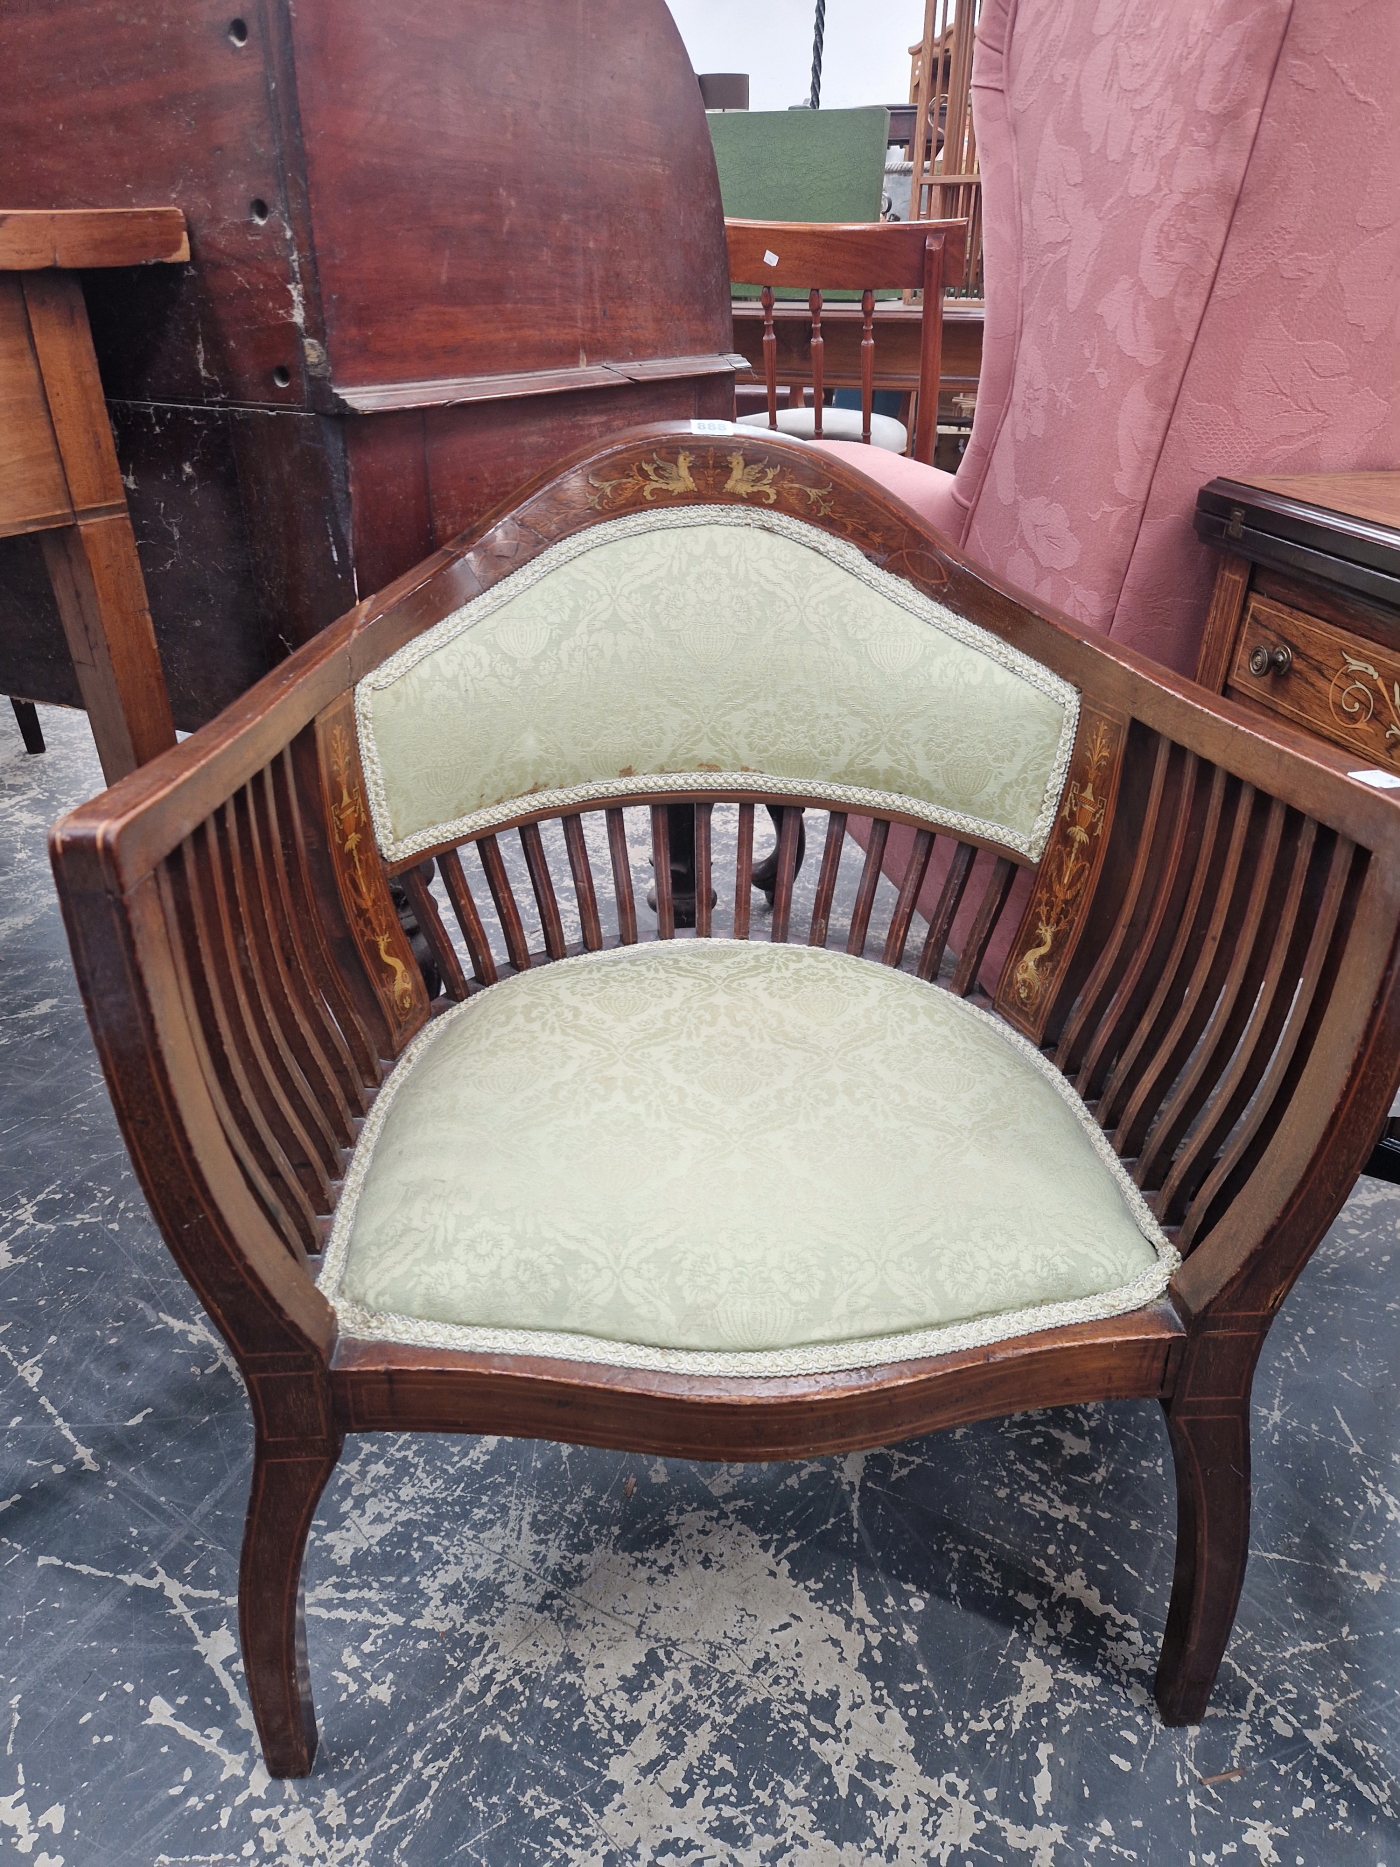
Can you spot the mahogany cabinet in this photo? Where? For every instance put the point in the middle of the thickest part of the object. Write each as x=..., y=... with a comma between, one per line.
x=433, y=251
x=1305, y=616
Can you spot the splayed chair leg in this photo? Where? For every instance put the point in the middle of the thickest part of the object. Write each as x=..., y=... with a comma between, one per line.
x=1211, y=1454
x=271, y=1614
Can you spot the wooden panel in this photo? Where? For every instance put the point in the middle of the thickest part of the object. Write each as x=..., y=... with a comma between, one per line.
x=509, y=188
x=1222, y=623
x=159, y=105
x=479, y=455
x=76, y=237
x=1374, y=497
x=33, y=490
x=381, y=1385
x=1340, y=686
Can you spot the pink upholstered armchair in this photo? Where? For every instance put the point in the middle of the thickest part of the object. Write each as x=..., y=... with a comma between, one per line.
x=1192, y=228
x=1192, y=240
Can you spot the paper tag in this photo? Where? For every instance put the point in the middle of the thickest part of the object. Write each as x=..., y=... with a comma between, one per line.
x=1382, y=780
x=712, y=427
x=770, y=258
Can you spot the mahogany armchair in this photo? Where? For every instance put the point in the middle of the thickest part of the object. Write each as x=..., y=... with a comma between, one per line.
x=532, y=1214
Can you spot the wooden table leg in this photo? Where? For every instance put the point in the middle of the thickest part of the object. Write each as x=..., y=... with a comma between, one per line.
x=101, y=599
x=92, y=563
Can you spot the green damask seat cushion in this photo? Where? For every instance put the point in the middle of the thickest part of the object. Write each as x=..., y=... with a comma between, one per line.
x=733, y=1158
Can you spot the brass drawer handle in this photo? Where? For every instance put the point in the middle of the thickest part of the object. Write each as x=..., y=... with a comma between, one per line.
x=1264, y=661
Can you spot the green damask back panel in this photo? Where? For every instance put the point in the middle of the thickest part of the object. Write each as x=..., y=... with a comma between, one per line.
x=710, y=648
x=800, y=165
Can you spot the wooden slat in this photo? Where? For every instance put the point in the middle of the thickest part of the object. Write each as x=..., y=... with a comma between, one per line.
x=826, y=880
x=1188, y=930
x=788, y=837
x=584, y=892
x=1250, y=1139
x=704, y=884
x=468, y=919
x=425, y=908
x=1207, y=1055
x=869, y=882
x=1198, y=990
x=267, y=1014
x=551, y=924
x=288, y=997
x=622, y=878
x=1187, y=829
x=984, y=926
x=743, y=872
x=250, y=1100
x=661, y=868
x=297, y=940
x=292, y=1110
x=1232, y=1094
x=494, y=867
x=816, y=345
x=914, y=872
x=1125, y=939
x=946, y=912
x=280, y=1198
x=309, y=911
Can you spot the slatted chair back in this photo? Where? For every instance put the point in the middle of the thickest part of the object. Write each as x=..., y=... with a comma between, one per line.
x=1209, y=954
x=909, y=256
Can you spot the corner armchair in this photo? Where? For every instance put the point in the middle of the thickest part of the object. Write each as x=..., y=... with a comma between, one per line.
x=527, y=1208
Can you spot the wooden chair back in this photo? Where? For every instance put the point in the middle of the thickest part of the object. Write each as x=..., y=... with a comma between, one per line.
x=909, y=256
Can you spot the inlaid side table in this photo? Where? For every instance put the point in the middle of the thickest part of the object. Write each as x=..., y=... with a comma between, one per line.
x=1305, y=620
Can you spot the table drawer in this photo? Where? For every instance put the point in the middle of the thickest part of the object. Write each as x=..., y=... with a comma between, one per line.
x=1340, y=686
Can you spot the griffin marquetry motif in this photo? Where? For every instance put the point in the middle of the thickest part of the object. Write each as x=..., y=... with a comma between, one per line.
x=708, y=474
x=1051, y=925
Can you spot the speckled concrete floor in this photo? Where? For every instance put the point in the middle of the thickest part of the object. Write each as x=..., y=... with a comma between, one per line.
x=529, y=1653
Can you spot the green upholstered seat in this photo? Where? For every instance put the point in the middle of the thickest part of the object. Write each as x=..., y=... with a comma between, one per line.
x=730, y=1158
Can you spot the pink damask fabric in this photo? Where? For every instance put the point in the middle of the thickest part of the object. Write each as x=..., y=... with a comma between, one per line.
x=1296, y=365
x=1192, y=230
x=1192, y=233
x=1115, y=138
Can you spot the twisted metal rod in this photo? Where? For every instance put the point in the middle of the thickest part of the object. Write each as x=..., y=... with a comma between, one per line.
x=815, y=102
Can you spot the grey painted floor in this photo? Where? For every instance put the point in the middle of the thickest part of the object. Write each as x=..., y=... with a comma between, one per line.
x=525, y=1653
